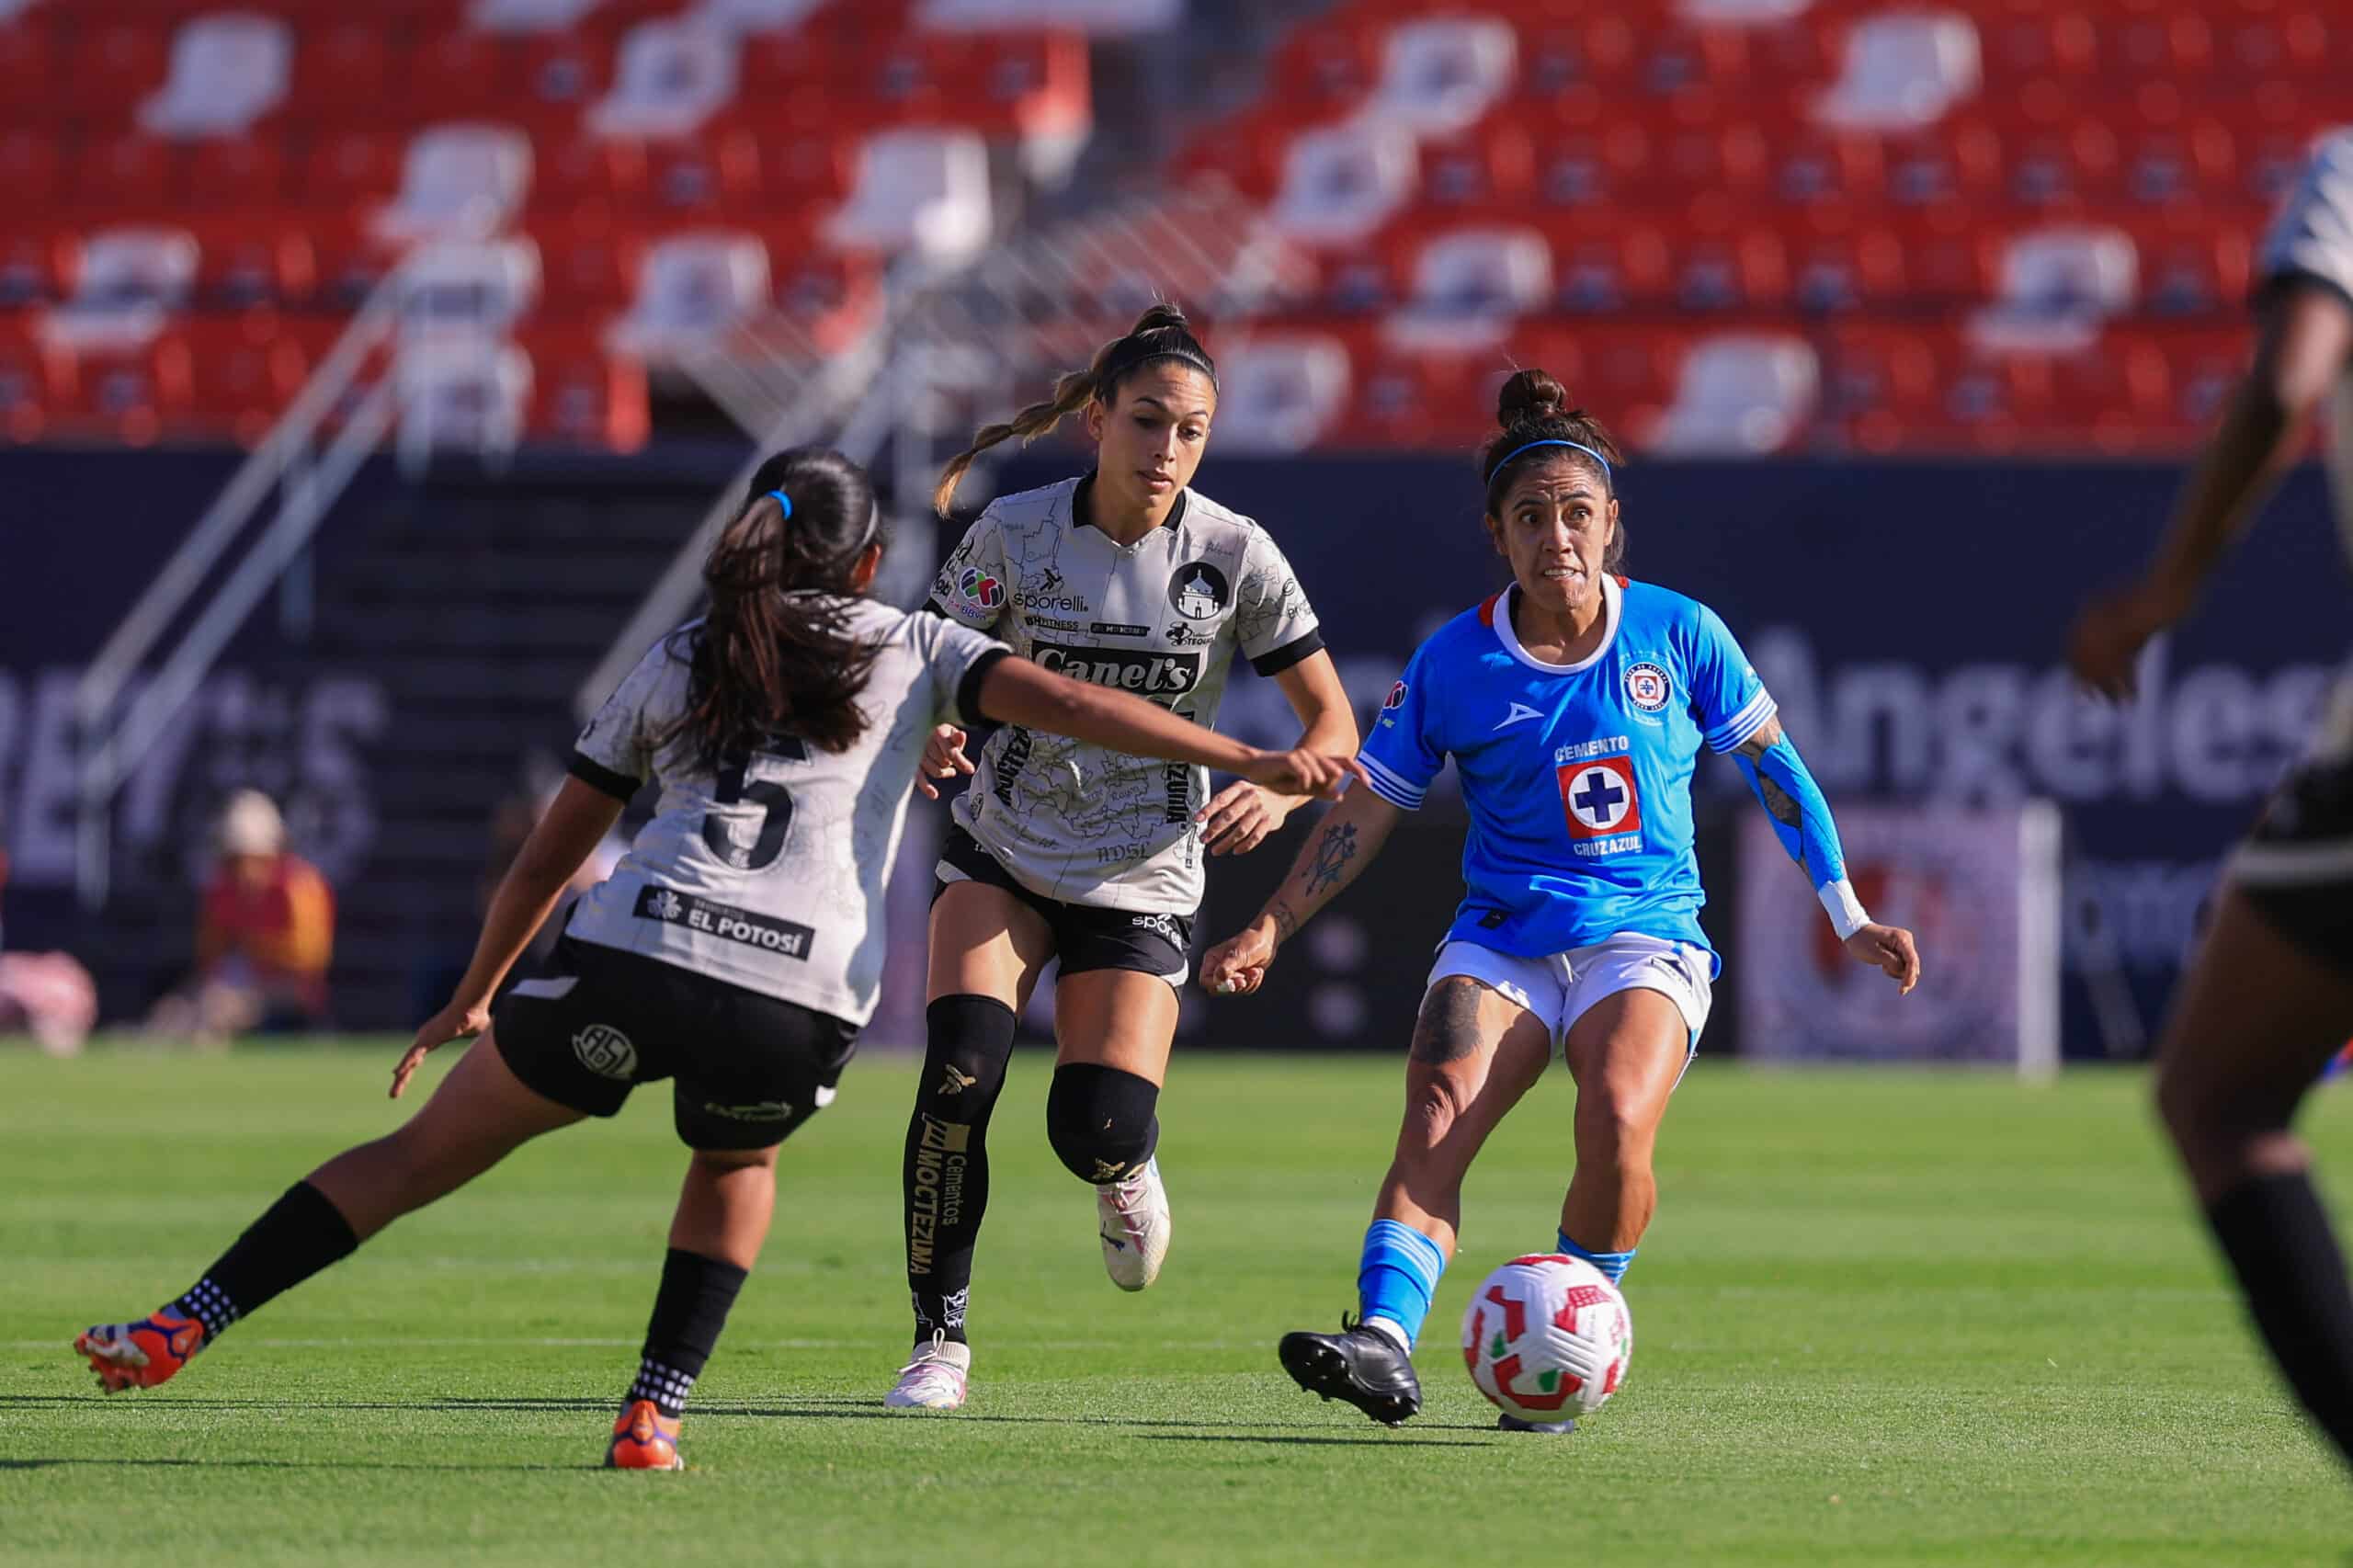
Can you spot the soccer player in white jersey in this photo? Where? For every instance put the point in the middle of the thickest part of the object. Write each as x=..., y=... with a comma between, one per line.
x=736, y=949
x=1090, y=854
x=1574, y=706
x=2270, y=996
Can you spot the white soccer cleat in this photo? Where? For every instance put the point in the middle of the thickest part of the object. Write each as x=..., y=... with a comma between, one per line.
x=1132, y=1216
x=934, y=1379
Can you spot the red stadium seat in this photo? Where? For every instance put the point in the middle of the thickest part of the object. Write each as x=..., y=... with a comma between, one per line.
x=39, y=265
x=36, y=82
x=31, y=386
x=243, y=374
x=251, y=259
x=30, y=169
x=349, y=168
x=242, y=173
x=132, y=396
x=582, y=396
x=128, y=57
x=341, y=63
x=129, y=175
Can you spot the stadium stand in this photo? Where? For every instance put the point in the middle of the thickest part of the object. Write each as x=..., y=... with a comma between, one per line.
x=1988, y=193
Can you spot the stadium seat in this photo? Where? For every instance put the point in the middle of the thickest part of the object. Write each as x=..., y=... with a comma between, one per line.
x=691, y=289
x=38, y=263
x=1096, y=17
x=1280, y=392
x=135, y=173
x=672, y=76
x=1742, y=13
x=582, y=396
x=467, y=288
x=131, y=281
x=341, y=63
x=1343, y=182
x=920, y=190
x=1469, y=285
x=237, y=173
x=128, y=57
x=739, y=17
x=459, y=179
x=470, y=393
x=1902, y=70
x=28, y=390
x=245, y=260
x=528, y=16
x=129, y=391
x=1443, y=75
x=1739, y=395
x=2057, y=285
x=228, y=70
x=244, y=373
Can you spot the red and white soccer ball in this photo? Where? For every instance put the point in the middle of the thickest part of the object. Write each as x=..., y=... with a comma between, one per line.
x=1547, y=1337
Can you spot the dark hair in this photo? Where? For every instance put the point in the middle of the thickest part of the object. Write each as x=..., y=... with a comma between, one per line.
x=1161, y=335
x=1532, y=408
x=775, y=654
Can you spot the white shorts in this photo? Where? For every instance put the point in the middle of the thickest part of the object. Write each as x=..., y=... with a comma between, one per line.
x=1559, y=989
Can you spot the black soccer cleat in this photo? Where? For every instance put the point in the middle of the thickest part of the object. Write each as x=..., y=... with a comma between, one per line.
x=1359, y=1364
x=1507, y=1422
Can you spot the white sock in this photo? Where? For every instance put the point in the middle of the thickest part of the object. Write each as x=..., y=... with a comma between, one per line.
x=1391, y=1331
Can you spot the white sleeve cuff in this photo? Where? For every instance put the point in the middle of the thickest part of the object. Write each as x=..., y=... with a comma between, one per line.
x=1845, y=910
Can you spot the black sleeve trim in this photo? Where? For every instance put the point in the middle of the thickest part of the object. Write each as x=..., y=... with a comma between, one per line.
x=2274, y=284
x=936, y=607
x=1290, y=653
x=968, y=690
x=597, y=777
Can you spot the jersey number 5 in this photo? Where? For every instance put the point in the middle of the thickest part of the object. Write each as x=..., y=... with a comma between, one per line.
x=719, y=832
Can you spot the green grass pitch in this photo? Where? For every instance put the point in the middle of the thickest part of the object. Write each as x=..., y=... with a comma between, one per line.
x=1881, y=1319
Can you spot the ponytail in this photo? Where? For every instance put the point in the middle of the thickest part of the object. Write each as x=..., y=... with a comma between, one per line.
x=1161, y=334
x=777, y=654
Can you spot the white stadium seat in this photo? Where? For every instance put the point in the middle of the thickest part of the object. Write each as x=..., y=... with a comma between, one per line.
x=1741, y=394
x=132, y=279
x=691, y=289
x=1469, y=287
x=1741, y=12
x=2058, y=285
x=1342, y=182
x=467, y=288
x=1096, y=17
x=459, y=180
x=528, y=16
x=927, y=190
x=1441, y=76
x=673, y=75
x=1902, y=72
x=228, y=70
x=470, y=393
x=1280, y=392
x=754, y=15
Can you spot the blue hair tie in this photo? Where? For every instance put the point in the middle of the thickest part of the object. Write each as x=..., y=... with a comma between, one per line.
x=782, y=500
x=1554, y=441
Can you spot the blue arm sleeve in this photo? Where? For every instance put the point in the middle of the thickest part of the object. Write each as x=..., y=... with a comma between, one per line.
x=1812, y=839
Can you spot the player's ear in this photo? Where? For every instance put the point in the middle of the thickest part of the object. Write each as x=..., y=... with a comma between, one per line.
x=861, y=572
x=1096, y=412
x=1494, y=526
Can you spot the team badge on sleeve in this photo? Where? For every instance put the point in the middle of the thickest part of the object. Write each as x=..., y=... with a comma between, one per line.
x=1647, y=687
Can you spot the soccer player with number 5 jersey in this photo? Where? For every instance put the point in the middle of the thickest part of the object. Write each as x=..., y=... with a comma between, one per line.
x=1574, y=705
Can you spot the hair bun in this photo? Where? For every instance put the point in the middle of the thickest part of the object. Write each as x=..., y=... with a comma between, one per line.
x=1530, y=395
x=1160, y=316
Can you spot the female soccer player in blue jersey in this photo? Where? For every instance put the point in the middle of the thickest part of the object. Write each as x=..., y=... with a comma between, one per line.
x=1573, y=704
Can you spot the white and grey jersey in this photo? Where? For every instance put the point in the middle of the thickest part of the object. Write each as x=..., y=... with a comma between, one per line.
x=768, y=872
x=1161, y=618
x=2312, y=241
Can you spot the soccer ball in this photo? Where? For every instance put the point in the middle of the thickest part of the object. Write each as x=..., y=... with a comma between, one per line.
x=1547, y=1337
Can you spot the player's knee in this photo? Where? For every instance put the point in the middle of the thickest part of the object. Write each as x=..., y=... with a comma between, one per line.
x=726, y=1161
x=1101, y=1120
x=1433, y=1105
x=968, y=1045
x=1612, y=1134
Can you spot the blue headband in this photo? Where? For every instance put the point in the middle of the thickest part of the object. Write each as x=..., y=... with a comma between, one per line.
x=1607, y=477
x=782, y=500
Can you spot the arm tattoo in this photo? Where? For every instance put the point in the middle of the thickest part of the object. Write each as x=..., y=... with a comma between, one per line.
x=1448, y=1028
x=1764, y=740
x=1332, y=852
x=1778, y=801
x=1286, y=923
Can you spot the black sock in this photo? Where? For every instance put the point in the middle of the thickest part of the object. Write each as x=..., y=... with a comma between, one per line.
x=688, y=1311
x=2276, y=1236
x=946, y=1177
x=296, y=1236
x=1101, y=1120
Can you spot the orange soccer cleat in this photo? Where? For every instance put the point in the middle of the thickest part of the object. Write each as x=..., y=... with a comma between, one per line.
x=140, y=1355
x=644, y=1438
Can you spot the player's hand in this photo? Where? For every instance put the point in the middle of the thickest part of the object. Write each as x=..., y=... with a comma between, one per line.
x=943, y=758
x=1891, y=948
x=458, y=1020
x=1304, y=773
x=1238, y=819
x=1237, y=966
x=2105, y=643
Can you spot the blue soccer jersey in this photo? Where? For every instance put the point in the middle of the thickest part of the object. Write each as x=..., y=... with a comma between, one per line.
x=1577, y=777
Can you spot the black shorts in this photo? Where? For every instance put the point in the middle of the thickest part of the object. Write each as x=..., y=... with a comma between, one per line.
x=1086, y=937
x=2296, y=867
x=749, y=1069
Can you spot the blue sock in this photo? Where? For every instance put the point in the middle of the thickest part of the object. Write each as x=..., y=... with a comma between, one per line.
x=1398, y=1276
x=1612, y=1263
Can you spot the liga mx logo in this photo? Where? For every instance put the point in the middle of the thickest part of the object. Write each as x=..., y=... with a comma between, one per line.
x=1647, y=687
x=606, y=1052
